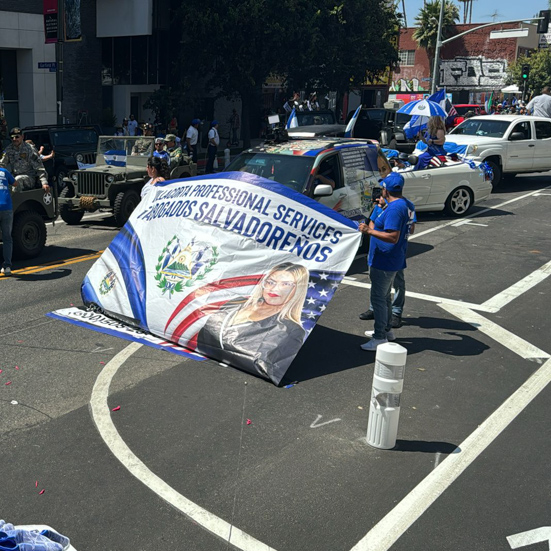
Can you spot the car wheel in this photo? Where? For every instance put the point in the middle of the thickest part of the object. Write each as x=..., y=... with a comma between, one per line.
x=393, y=144
x=459, y=202
x=125, y=203
x=497, y=177
x=59, y=175
x=29, y=234
x=68, y=215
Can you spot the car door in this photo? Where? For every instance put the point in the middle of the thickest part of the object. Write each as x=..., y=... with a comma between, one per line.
x=418, y=184
x=520, y=153
x=542, y=151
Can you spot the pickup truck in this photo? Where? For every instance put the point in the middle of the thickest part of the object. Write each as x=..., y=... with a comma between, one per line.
x=510, y=144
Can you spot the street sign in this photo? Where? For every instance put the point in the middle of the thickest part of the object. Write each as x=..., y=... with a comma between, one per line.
x=51, y=65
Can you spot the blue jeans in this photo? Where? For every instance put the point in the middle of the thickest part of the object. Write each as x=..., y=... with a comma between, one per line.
x=6, y=221
x=211, y=155
x=381, y=285
x=399, y=294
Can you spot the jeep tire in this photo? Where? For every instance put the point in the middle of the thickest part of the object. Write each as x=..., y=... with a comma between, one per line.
x=124, y=205
x=29, y=234
x=69, y=216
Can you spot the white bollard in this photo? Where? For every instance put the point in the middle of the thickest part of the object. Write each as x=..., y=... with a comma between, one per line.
x=388, y=383
x=226, y=157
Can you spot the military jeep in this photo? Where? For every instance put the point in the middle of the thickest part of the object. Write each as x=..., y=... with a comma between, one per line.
x=31, y=210
x=116, y=180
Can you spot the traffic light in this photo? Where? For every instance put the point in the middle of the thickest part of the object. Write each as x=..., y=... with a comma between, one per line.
x=525, y=72
x=543, y=24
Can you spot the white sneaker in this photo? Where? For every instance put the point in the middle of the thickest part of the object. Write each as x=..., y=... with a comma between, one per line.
x=6, y=271
x=389, y=335
x=372, y=344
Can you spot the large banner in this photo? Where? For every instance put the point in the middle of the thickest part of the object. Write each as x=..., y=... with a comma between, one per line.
x=50, y=21
x=232, y=266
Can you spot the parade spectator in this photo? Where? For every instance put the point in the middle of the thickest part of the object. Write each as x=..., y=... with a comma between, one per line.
x=6, y=218
x=214, y=141
x=173, y=150
x=540, y=106
x=158, y=171
x=173, y=125
x=387, y=255
x=119, y=131
x=132, y=126
x=125, y=129
x=23, y=161
x=234, y=124
x=192, y=137
x=160, y=150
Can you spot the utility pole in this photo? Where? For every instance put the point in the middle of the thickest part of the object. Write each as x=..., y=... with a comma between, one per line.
x=436, y=70
x=59, y=59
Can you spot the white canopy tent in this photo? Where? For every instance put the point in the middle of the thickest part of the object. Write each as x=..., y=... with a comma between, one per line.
x=512, y=89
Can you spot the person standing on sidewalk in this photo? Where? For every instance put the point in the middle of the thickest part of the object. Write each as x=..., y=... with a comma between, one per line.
x=387, y=255
x=234, y=124
x=6, y=218
x=192, y=137
x=214, y=141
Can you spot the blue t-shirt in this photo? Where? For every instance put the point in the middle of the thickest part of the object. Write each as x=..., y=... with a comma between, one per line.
x=162, y=155
x=6, y=181
x=399, y=215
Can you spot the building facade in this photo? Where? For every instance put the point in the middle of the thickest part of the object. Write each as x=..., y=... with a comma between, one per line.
x=470, y=66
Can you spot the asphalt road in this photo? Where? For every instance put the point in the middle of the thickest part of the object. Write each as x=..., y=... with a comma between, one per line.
x=177, y=465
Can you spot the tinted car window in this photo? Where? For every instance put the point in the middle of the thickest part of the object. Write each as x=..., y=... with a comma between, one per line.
x=543, y=130
x=291, y=171
x=524, y=128
x=80, y=136
x=315, y=117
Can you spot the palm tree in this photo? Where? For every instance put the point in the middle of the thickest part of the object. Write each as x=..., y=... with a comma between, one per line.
x=427, y=25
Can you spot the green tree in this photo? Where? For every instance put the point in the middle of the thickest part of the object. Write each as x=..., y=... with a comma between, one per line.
x=426, y=33
x=539, y=75
x=314, y=44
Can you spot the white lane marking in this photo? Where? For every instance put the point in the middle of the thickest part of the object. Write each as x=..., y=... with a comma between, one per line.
x=538, y=535
x=387, y=531
x=102, y=418
x=511, y=341
x=438, y=300
x=315, y=424
x=540, y=194
x=469, y=222
x=416, y=235
x=525, y=284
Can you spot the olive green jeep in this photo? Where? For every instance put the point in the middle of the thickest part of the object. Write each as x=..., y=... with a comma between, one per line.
x=114, y=183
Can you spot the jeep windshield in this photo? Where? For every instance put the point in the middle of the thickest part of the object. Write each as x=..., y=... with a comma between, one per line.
x=482, y=127
x=131, y=148
x=310, y=118
x=75, y=136
x=291, y=171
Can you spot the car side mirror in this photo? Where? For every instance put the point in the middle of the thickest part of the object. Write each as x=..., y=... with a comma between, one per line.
x=515, y=136
x=323, y=190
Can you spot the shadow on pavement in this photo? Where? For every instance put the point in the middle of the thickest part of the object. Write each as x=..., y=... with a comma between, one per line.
x=424, y=447
x=425, y=322
x=57, y=273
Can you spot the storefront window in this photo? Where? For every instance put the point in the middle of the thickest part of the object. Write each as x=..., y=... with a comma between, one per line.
x=121, y=60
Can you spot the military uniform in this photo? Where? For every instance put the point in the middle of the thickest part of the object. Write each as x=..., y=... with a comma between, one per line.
x=25, y=164
x=142, y=147
x=176, y=156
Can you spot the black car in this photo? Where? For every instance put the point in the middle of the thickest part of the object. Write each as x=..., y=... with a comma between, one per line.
x=316, y=123
x=73, y=145
x=384, y=125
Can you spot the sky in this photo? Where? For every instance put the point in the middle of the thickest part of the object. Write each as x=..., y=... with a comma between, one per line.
x=483, y=10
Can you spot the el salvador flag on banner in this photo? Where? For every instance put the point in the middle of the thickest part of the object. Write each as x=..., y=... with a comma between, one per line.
x=417, y=123
x=293, y=121
x=115, y=157
x=351, y=123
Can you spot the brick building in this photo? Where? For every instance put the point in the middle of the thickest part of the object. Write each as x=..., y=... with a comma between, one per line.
x=470, y=66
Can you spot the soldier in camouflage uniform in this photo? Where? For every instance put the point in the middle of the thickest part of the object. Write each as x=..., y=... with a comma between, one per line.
x=174, y=152
x=141, y=146
x=23, y=161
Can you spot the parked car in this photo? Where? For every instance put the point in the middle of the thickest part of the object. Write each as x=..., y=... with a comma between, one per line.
x=316, y=123
x=356, y=166
x=72, y=145
x=462, y=109
x=510, y=144
x=115, y=182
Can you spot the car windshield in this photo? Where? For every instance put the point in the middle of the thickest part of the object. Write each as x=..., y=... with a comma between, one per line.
x=291, y=171
x=482, y=127
x=402, y=118
x=77, y=136
x=131, y=149
x=463, y=109
x=315, y=117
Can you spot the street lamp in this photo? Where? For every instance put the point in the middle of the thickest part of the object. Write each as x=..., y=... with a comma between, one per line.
x=436, y=72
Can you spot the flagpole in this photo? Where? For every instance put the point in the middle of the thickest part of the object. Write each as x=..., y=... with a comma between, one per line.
x=436, y=71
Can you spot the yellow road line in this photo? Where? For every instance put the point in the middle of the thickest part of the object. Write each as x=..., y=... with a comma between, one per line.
x=56, y=264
